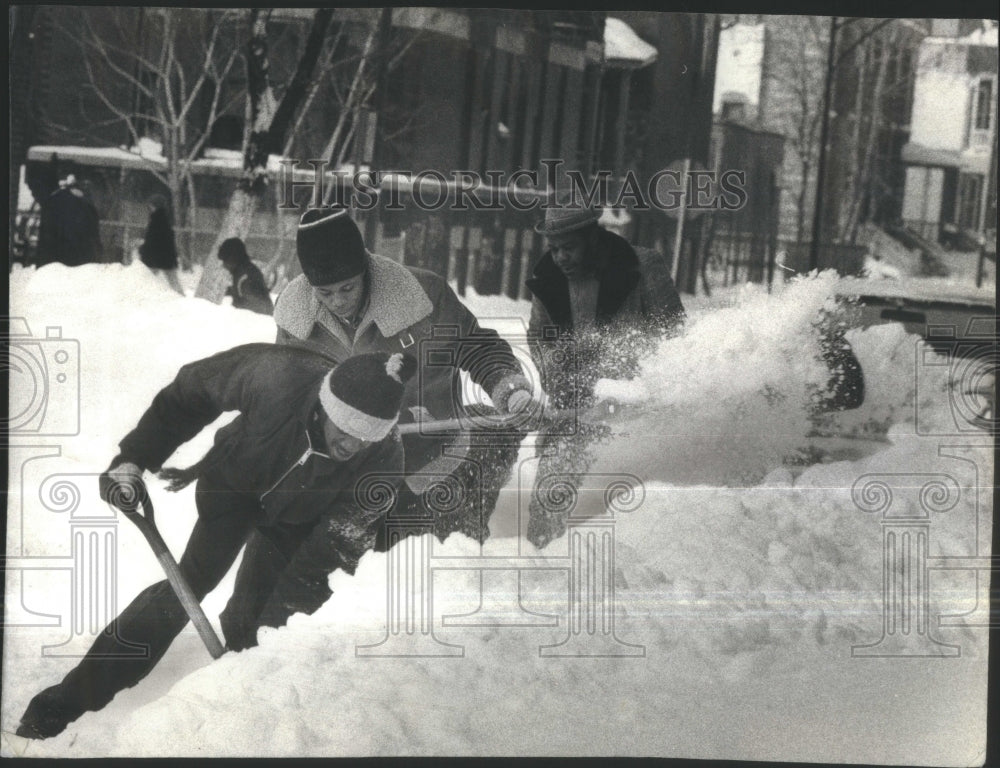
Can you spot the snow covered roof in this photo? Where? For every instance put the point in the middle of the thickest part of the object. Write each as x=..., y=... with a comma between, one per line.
x=921, y=290
x=147, y=156
x=623, y=47
x=986, y=36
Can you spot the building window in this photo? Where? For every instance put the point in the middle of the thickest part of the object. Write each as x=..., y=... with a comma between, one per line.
x=969, y=198
x=984, y=104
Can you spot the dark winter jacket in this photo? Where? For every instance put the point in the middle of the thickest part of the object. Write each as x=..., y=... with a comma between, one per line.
x=267, y=450
x=158, y=249
x=408, y=309
x=249, y=291
x=69, y=231
x=637, y=304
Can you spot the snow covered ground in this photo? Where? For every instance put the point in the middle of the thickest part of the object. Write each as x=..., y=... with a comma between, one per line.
x=738, y=605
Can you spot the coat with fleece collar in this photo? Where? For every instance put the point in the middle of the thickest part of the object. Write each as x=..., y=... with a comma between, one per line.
x=409, y=310
x=637, y=303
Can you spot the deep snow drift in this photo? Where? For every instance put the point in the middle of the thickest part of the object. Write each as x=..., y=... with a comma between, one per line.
x=744, y=569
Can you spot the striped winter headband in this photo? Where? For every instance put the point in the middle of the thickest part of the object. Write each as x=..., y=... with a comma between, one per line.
x=363, y=394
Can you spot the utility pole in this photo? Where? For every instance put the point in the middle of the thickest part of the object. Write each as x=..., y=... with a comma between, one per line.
x=989, y=191
x=373, y=119
x=824, y=134
x=382, y=55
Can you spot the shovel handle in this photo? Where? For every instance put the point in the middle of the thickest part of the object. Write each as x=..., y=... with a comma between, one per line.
x=146, y=524
x=520, y=421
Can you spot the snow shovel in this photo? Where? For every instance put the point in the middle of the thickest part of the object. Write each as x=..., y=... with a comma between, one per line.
x=599, y=412
x=145, y=523
x=447, y=463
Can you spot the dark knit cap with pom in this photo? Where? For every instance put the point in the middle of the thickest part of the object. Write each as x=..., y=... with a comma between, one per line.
x=363, y=394
x=330, y=246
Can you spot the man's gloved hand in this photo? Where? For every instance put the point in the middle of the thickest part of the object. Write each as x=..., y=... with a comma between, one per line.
x=122, y=486
x=518, y=400
x=514, y=395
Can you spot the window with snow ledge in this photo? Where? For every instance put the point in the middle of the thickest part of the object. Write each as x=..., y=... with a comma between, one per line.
x=983, y=108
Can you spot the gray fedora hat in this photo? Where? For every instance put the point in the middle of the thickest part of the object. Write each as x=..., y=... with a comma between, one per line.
x=566, y=215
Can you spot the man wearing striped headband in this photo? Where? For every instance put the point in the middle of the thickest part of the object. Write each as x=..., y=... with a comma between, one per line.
x=281, y=477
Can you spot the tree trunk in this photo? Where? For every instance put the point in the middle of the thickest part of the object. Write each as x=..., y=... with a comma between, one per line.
x=800, y=214
x=251, y=186
x=192, y=222
x=864, y=190
x=852, y=161
x=298, y=88
x=312, y=89
x=264, y=132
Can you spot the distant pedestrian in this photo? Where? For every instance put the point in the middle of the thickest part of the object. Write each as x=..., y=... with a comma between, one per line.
x=249, y=291
x=69, y=231
x=158, y=250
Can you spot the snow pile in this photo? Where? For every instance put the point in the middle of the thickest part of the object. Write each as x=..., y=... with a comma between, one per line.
x=621, y=43
x=733, y=389
x=133, y=333
x=789, y=563
x=879, y=270
x=746, y=580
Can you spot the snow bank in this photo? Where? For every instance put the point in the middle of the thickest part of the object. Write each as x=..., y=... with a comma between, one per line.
x=133, y=333
x=745, y=578
x=733, y=390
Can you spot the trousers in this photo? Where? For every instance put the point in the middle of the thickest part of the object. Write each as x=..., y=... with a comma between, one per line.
x=133, y=643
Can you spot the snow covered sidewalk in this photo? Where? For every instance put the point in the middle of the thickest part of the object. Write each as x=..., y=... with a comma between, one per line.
x=746, y=578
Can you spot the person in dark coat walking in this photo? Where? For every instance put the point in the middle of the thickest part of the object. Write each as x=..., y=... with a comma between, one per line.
x=69, y=231
x=597, y=305
x=348, y=301
x=283, y=473
x=159, y=250
x=249, y=291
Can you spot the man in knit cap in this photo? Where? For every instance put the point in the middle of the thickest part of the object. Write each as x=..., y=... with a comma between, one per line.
x=283, y=474
x=348, y=301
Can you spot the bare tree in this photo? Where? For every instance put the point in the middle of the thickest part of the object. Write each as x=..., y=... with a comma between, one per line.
x=794, y=88
x=157, y=87
x=268, y=123
x=354, y=83
x=348, y=78
x=274, y=126
x=872, y=71
x=874, y=63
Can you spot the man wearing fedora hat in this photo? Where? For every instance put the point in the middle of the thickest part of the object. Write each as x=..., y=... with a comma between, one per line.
x=349, y=301
x=593, y=287
x=597, y=303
